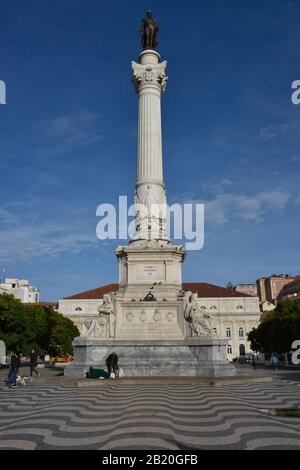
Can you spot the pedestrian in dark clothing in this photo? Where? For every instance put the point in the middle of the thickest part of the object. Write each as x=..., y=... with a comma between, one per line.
x=274, y=362
x=254, y=362
x=33, y=363
x=14, y=369
x=112, y=364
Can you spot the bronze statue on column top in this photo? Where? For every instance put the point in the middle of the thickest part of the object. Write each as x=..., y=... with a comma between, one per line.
x=149, y=32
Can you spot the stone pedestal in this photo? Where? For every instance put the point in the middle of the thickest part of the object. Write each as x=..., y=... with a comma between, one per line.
x=147, y=262
x=199, y=357
x=150, y=320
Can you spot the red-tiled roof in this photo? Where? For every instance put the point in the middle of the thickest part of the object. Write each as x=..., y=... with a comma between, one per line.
x=94, y=293
x=43, y=304
x=201, y=288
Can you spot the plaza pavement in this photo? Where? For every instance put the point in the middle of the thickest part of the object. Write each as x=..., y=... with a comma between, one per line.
x=52, y=412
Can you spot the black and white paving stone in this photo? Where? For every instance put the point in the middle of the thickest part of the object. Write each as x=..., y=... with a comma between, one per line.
x=51, y=413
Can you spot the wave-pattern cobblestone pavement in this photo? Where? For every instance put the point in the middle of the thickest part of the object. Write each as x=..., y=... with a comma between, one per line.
x=45, y=415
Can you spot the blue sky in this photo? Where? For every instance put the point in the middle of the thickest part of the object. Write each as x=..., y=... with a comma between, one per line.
x=68, y=134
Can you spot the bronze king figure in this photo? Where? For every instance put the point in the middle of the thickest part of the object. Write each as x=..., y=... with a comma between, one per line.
x=149, y=32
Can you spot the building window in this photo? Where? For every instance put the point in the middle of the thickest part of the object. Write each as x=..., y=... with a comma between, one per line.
x=215, y=331
x=78, y=309
x=229, y=349
x=242, y=350
x=228, y=333
x=241, y=332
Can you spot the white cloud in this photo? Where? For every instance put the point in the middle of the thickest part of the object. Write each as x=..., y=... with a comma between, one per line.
x=25, y=237
x=227, y=206
x=66, y=133
x=217, y=186
x=271, y=132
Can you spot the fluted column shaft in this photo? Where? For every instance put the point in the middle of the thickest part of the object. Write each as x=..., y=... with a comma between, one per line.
x=149, y=162
x=150, y=81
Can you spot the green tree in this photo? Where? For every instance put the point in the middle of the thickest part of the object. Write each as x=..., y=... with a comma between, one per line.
x=229, y=285
x=24, y=327
x=11, y=321
x=62, y=331
x=278, y=329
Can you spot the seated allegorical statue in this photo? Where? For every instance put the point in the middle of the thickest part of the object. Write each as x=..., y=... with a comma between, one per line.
x=106, y=312
x=200, y=322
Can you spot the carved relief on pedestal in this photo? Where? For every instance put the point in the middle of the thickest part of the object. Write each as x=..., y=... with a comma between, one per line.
x=170, y=317
x=157, y=316
x=129, y=317
x=85, y=327
x=143, y=316
x=94, y=328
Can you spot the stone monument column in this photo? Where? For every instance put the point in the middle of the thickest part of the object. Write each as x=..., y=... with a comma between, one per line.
x=150, y=257
x=154, y=327
x=149, y=77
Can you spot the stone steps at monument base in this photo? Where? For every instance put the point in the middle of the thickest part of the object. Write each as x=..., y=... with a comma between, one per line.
x=217, y=382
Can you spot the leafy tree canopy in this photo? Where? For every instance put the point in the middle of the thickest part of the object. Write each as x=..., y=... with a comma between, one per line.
x=277, y=329
x=26, y=327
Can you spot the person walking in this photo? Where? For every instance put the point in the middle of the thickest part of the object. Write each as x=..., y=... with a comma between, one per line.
x=33, y=363
x=14, y=369
x=253, y=361
x=274, y=362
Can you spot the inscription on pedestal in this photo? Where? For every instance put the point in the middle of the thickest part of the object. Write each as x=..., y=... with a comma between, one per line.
x=149, y=272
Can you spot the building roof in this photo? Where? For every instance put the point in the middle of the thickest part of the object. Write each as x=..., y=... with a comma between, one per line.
x=293, y=283
x=285, y=276
x=203, y=290
x=247, y=284
x=42, y=304
x=290, y=286
x=94, y=293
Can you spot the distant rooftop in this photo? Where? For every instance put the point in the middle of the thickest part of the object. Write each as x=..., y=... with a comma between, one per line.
x=203, y=290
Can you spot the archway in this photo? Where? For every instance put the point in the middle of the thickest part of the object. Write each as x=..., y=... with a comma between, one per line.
x=242, y=350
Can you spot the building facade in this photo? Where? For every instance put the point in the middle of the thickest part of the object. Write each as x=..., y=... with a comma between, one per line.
x=291, y=291
x=21, y=290
x=249, y=289
x=269, y=288
x=234, y=314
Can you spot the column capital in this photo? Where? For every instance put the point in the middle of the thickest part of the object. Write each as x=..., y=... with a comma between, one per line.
x=149, y=76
